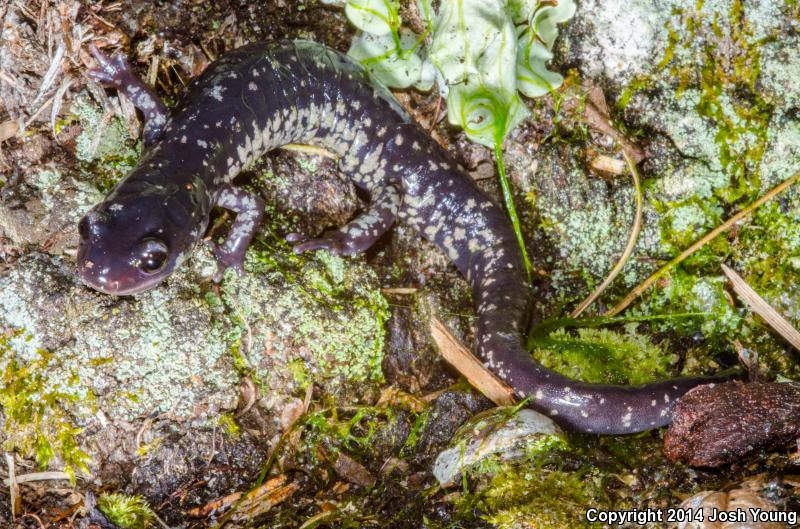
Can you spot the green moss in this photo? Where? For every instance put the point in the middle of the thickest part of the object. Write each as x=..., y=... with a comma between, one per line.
x=36, y=410
x=128, y=512
x=297, y=368
x=420, y=422
x=603, y=356
x=768, y=248
x=532, y=495
x=354, y=432
x=686, y=291
x=767, y=254
x=227, y=423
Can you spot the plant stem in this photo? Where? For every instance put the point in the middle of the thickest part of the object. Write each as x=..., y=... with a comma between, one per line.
x=509, y=202
x=634, y=236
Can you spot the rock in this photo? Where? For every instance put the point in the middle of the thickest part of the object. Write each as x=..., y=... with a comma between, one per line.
x=499, y=432
x=176, y=351
x=716, y=424
x=618, y=41
x=47, y=213
x=746, y=500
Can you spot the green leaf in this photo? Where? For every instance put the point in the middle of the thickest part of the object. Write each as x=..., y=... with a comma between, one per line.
x=390, y=60
x=544, y=19
x=533, y=49
x=533, y=77
x=484, y=114
x=378, y=17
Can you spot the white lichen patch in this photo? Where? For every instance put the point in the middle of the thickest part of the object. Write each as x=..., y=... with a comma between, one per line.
x=327, y=313
x=621, y=39
x=780, y=71
x=692, y=178
x=157, y=352
x=102, y=136
x=782, y=152
x=688, y=218
x=676, y=117
x=587, y=225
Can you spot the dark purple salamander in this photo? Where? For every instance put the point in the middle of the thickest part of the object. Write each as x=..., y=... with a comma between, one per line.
x=262, y=96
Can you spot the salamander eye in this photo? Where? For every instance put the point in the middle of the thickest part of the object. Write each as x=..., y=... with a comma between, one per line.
x=152, y=254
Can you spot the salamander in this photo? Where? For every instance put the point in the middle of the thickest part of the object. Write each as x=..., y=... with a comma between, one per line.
x=262, y=96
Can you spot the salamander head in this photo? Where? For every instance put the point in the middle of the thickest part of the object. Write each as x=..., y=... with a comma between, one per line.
x=129, y=244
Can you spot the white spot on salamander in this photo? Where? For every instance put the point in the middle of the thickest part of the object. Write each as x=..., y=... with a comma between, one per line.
x=216, y=92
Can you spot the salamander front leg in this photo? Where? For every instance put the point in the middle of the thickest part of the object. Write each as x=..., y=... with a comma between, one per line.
x=249, y=211
x=115, y=72
x=360, y=233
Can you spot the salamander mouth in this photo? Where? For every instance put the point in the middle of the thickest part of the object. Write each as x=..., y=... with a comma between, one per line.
x=124, y=286
x=115, y=290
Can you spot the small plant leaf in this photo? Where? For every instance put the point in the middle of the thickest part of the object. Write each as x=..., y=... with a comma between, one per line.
x=392, y=66
x=378, y=17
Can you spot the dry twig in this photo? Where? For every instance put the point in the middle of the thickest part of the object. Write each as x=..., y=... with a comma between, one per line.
x=632, y=238
x=473, y=370
x=762, y=308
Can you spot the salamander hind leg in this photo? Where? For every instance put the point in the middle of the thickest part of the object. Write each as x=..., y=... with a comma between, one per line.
x=115, y=72
x=249, y=211
x=359, y=234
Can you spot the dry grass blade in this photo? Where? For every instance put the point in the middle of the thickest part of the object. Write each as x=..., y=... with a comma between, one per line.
x=473, y=370
x=632, y=238
x=636, y=292
x=309, y=149
x=51, y=74
x=39, y=476
x=255, y=502
x=13, y=487
x=762, y=308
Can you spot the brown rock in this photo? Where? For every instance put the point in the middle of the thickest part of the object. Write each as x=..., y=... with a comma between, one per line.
x=716, y=424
